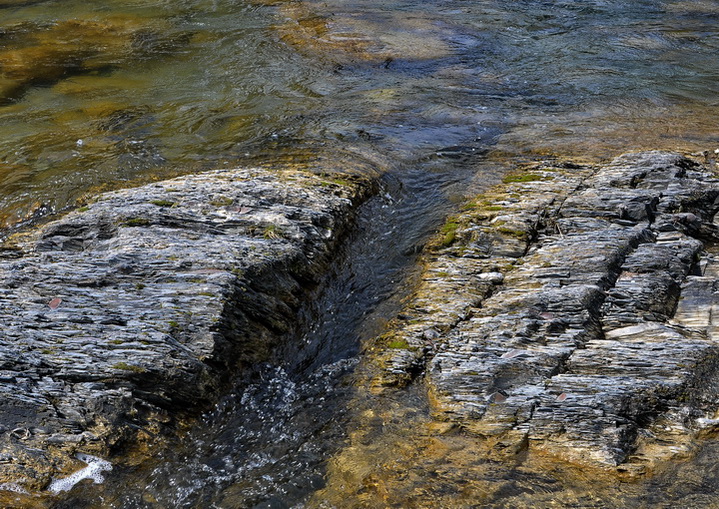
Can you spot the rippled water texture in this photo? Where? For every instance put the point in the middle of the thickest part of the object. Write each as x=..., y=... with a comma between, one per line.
x=92, y=93
x=96, y=94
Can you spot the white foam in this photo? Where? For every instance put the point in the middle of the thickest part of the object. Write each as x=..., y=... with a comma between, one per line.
x=93, y=470
x=11, y=486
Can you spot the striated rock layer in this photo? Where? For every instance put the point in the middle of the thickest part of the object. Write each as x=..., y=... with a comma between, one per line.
x=572, y=313
x=131, y=313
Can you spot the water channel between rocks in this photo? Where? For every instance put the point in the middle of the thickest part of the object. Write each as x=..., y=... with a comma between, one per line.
x=450, y=94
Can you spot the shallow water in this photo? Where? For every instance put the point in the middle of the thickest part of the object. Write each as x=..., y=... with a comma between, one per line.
x=94, y=96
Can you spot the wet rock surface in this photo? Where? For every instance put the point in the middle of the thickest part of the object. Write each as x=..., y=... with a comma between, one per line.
x=570, y=314
x=128, y=315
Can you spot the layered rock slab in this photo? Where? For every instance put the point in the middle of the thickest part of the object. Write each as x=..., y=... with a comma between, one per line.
x=132, y=312
x=560, y=314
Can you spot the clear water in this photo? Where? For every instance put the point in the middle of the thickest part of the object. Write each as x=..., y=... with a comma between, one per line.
x=95, y=95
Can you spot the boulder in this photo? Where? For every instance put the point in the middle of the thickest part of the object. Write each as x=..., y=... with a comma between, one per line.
x=570, y=314
x=129, y=315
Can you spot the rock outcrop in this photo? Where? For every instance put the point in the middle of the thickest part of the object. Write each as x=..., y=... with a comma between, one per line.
x=565, y=317
x=130, y=314
x=571, y=313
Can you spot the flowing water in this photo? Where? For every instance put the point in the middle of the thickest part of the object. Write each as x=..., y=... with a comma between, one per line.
x=96, y=95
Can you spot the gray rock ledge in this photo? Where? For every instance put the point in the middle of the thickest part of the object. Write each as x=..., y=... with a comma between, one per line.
x=130, y=313
x=572, y=312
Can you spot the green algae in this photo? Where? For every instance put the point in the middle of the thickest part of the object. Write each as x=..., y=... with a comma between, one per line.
x=513, y=232
x=164, y=203
x=522, y=178
x=129, y=367
x=221, y=201
x=446, y=237
x=398, y=344
x=272, y=231
x=136, y=221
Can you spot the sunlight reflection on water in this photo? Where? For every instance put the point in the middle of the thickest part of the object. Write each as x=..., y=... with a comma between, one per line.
x=154, y=88
x=93, y=96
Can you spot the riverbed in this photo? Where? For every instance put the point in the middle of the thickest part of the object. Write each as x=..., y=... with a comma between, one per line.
x=445, y=95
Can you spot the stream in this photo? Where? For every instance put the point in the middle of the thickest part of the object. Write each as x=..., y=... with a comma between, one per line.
x=101, y=95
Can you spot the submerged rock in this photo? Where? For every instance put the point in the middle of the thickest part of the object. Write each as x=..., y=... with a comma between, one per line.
x=38, y=55
x=570, y=314
x=347, y=37
x=128, y=315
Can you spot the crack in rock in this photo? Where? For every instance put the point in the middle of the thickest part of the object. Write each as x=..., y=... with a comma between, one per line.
x=597, y=341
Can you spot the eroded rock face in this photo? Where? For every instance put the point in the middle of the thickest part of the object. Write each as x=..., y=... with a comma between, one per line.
x=130, y=313
x=571, y=313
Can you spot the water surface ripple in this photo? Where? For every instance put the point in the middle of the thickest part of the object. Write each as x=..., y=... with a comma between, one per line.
x=94, y=95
